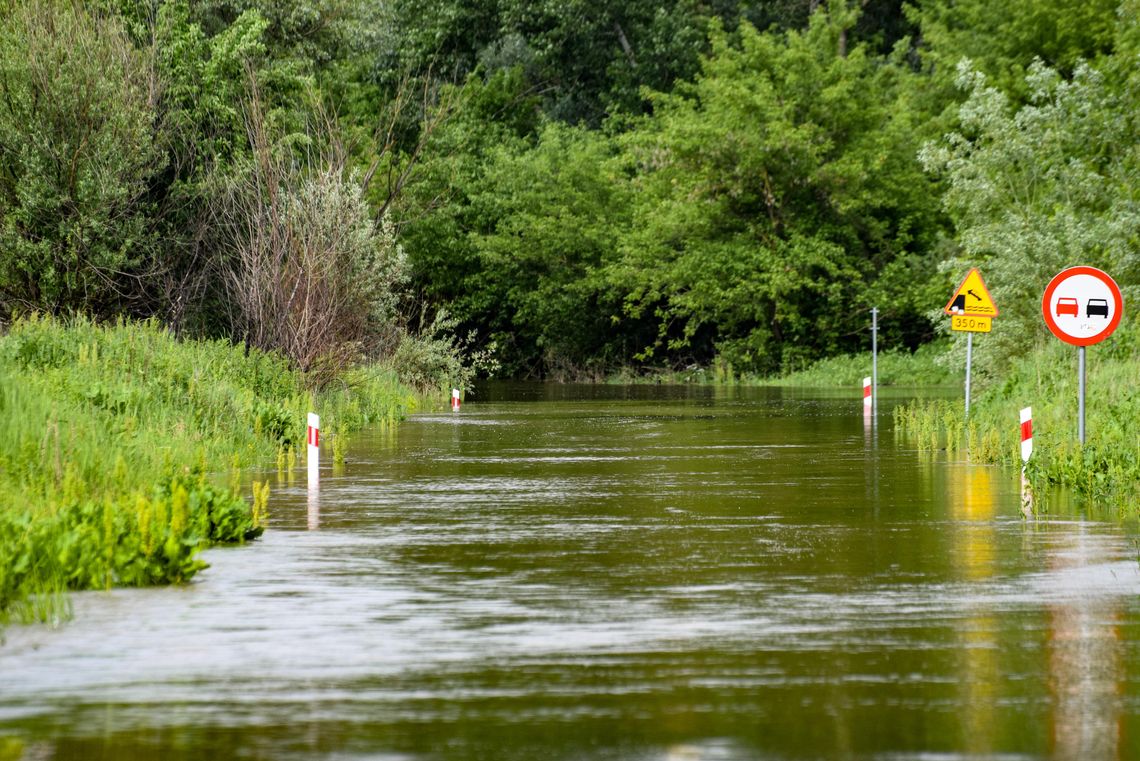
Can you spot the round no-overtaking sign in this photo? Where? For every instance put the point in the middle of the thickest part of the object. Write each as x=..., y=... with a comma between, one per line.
x=1082, y=305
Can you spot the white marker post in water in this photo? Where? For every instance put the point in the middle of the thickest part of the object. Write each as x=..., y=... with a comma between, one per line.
x=868, y=399
x=455, y=399
x=1026, y=434
x=1026, y=451
x=314, y=436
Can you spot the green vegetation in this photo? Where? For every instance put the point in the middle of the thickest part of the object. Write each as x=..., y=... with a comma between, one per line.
x=122, y=446
x=573, y=188
x=1106, y=471
x=576, y=188
x=925, y=367
x=563, y=190
x=750, y=211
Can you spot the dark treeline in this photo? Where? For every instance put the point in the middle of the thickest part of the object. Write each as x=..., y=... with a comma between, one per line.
x=580, y=185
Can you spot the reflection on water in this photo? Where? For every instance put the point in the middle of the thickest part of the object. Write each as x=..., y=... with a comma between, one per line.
x=1086, y=669
x=313, y=508
x=973, y=504
x=615, y=573
x=1026, y=497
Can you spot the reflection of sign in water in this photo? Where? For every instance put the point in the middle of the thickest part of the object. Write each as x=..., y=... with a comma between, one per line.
x=973, y=507
x=1088, y=672
x=1082, y=306
x=972, y=492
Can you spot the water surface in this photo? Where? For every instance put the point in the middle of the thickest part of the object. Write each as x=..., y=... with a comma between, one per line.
x=615, y=573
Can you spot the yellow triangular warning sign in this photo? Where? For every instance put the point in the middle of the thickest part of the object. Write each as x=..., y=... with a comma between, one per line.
x=972, y=298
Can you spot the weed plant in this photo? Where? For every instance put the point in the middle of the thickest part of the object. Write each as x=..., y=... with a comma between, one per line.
x=116, y=439
x=1105, y=471
x=896, y=368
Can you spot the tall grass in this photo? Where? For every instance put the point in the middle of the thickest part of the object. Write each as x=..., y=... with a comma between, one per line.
x=121, y=447
x=1105, y=471
x=924, y=367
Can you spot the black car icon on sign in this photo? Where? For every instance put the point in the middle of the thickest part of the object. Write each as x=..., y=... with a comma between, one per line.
x=1098, y=307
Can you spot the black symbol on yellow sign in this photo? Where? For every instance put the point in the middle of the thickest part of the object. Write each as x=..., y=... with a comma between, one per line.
x=972, y=298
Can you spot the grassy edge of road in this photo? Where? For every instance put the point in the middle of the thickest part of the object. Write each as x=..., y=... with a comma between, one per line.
x=1104, y=471
x=922, y=367
x=122, y=448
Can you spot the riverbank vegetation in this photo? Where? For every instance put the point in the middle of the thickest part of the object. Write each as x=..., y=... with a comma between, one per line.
x=578, y=189
x=929, y=365
x=123, y=448
x=549, y=191
x=1105, y=471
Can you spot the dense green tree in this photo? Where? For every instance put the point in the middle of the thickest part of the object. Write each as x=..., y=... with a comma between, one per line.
x=586, y=58
x=590, y=59
x=880, y=25
x=548, y=222
x=437, y=215
x=758, y=213
x=583, y=183
x=77, y=156
x=1003, y=39
x=777, y=194
x=1035, y=189
x=312, y=35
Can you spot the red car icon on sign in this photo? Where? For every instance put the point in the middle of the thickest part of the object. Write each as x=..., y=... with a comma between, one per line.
x=1067, y=306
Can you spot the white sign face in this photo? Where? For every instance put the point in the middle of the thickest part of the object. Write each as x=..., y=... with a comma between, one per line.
x=1082, y=306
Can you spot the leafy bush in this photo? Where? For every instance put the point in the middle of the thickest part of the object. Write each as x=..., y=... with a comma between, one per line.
x=309, y=273
x=77, y=151
x=437, y=359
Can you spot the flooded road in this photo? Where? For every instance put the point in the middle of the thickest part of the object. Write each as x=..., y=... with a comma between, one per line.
x=615, y=573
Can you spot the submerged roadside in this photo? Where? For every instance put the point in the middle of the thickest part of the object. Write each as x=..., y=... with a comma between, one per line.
x=923, y=367
x=124, y=448
x=1105, y=470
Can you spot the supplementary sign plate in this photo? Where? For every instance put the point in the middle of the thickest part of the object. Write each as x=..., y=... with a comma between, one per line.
x=971, y=324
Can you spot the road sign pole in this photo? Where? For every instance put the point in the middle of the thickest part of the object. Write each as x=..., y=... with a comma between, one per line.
x=875, y=361
x=1082, y=306
x=972, y=310
x=1081, y=396
x=969, y=361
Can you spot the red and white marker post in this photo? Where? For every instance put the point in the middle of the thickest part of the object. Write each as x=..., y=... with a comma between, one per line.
x=1026, y=434
x=455, y=399
x=314, y=459
x=868, y=398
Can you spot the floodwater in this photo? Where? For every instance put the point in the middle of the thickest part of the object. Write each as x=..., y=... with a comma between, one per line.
x=654, y=574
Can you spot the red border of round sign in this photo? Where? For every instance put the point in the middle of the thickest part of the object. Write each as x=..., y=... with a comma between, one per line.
x=1101, y=275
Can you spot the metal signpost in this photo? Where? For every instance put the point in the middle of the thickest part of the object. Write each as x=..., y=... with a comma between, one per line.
x=1082, y=306
x=972, y=310
x=875, y=362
